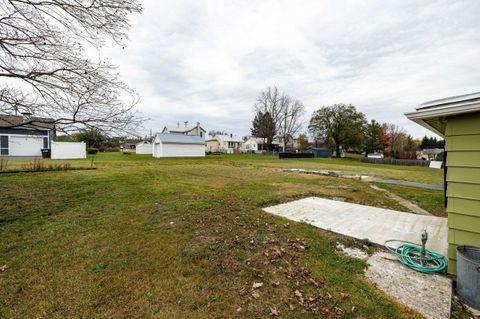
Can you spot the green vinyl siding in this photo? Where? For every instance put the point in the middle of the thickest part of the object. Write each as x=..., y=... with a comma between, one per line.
x=462, y=159
x=462, y=143
x=463, y=190
x=463, y=174
x=463, y=237
x=463, y=222
x=466, y=124
x=452, y=266
x=463, y=206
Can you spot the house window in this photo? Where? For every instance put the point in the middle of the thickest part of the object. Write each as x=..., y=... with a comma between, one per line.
x=45, y=142
x=4, y=145
x=201, y=134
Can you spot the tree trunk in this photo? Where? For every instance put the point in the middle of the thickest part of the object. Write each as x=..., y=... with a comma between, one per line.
x=270, y=144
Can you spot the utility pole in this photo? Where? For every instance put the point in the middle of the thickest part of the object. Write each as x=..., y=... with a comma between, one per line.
x=285, y=132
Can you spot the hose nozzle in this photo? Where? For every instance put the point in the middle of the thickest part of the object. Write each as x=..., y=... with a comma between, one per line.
x=424, y=242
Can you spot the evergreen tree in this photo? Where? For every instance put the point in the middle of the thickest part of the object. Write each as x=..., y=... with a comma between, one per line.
x=263, y=126
x=373, y=138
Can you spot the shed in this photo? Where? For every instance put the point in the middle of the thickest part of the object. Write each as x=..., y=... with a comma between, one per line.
x=457, y=119
x=320, y=152
x=176, y=145
x=144, y=148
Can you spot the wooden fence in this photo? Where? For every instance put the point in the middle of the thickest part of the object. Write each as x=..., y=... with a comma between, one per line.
x=394, y=161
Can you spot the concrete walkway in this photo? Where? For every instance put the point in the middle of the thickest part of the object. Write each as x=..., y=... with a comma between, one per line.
x=359, y=221
x=410, y=184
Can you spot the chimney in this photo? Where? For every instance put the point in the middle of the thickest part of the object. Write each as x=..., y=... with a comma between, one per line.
x=231, y=135
x=178, y=124
x=186, y=123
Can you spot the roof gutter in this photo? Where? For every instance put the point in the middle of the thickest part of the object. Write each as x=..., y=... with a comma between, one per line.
x=442, y=111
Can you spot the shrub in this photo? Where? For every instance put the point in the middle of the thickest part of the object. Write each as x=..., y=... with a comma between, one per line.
x=3, y=164
x=92, y=151
x=440, y=157
x=112, y=149
x=35, y=165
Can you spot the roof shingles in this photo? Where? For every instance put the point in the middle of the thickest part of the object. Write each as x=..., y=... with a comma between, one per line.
x=36, y=123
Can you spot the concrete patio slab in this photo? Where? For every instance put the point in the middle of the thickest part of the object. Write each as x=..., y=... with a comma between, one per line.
x=360, y=221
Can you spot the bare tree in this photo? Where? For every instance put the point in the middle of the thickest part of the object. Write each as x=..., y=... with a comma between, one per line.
x=397, y=140
x=290, y=124
x=286, y=113
x=44, y=69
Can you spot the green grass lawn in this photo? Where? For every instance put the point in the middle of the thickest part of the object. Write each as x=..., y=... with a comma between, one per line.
x=184, y=238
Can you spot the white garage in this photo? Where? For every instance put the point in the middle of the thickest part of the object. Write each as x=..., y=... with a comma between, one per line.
x=177, y=145
x=26, y=145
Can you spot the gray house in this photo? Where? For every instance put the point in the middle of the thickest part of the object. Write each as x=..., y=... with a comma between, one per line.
x=25, y=136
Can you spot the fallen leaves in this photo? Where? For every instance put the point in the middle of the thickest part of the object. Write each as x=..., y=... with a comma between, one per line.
x=298, y=244
x=257, y=285
x=274, y=311
x=343, y=295
x=279, y=265
x=298, y=294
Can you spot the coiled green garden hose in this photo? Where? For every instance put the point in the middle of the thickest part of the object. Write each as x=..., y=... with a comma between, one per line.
x=410, y=254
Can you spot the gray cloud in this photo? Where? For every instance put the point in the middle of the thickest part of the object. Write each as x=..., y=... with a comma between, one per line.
x=207, y=60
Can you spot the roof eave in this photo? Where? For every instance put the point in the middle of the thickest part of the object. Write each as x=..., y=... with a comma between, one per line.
x=441, y=112
x=427, y=126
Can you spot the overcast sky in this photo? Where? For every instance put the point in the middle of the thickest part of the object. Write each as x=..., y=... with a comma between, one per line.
x=207, y=61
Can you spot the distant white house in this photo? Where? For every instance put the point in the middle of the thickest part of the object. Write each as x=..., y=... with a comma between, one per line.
x=178, y=145
x=429, y=154
x=253, y=145
x=144, y=147
x=196, y=130
x=224, y=143
x=25, y=136
x=259, y=145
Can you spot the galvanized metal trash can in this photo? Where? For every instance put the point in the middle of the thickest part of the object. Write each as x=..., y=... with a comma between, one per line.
x=468, y=275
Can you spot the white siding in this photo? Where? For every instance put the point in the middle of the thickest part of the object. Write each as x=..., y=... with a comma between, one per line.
x=144, y=148
x=179, y=150
x=183, y=150
x=69, y=150
x=25, y=145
